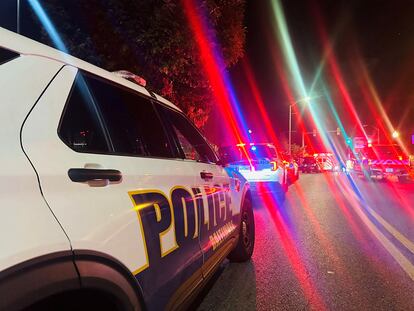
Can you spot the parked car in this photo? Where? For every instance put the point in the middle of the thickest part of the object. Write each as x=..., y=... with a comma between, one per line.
x=260, y=164
x=110, y=198
x=310, y=165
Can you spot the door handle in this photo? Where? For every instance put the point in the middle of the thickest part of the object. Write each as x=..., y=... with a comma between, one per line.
x=90, y=174
x=206, y=175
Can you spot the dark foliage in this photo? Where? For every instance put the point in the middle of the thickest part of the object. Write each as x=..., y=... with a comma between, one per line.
x=151, y=38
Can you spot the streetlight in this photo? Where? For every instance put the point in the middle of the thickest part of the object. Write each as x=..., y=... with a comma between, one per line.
x=376, y=129
x=307, y=100
x=395, y=134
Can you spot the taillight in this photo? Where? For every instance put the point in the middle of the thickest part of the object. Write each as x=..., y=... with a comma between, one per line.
x=274, y=165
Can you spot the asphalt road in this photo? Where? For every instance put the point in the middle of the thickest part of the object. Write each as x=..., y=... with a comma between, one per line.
x=336, y=243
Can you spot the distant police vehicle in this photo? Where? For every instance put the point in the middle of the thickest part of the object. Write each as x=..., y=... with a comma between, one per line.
x=259, y=163
x=310, y=165
x=110, y=198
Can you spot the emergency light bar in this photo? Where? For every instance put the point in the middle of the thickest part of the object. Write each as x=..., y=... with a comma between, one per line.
x=130, y=77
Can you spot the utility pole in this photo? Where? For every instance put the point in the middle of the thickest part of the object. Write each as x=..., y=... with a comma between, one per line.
x=18, y=17
x=290, y=129
x=307, y=100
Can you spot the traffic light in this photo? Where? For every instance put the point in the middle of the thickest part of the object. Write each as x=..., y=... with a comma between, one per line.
x=338, y=132
x=314, y=132
x=349, y=141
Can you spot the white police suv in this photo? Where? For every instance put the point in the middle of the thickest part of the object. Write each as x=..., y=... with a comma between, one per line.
x=260, y=164
x=110, y=198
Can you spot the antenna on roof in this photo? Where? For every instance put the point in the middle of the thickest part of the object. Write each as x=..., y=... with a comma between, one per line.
x=131, y=77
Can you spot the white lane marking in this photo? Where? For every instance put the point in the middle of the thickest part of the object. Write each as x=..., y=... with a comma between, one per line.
x=404, y=263
x=397, y=234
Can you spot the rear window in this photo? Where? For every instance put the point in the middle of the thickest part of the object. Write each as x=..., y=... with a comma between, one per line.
x=240, y=153
x=262, y=151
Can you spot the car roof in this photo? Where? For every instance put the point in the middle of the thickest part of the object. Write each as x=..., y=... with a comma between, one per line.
x=249, y=144
x=263, y=144
x=25, y=46
x=384, y=145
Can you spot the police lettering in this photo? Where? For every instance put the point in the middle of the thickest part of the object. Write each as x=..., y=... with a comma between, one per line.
x=168, y=224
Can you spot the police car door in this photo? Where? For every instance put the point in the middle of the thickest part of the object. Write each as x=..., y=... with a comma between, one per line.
x=110, y=175
x=211, y=190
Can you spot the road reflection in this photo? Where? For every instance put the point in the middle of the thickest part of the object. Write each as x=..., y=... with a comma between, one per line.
x=335, y=243
x=230, y=283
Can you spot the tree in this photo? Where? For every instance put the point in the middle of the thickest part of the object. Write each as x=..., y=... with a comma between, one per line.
x=297, y=151
x=151, y=38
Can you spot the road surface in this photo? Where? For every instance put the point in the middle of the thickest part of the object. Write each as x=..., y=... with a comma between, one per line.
x=336, y=243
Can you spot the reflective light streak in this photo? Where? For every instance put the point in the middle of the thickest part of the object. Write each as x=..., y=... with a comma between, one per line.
x=214, y=68
x=317, y=227
x=47, y=23
x=285, y=237
x=283, y=35
x=370, y=218
x=260, y=104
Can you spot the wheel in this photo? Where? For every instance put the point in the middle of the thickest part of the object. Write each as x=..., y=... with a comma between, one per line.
x=84, y=300
x=245, y=245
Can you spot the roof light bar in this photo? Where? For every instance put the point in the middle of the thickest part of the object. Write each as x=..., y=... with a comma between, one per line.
x=131, y=77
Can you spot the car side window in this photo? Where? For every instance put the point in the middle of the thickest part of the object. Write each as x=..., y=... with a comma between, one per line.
x=101, y=117
x=133, y=123
x=189, y=150
x=7, y=55
x=192, y=144
x=81, y=127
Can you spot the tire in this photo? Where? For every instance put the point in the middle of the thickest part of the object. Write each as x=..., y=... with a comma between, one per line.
x=82, y=300
x=245, y=245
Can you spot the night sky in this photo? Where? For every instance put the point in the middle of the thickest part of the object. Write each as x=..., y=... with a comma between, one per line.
x=378, y=33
